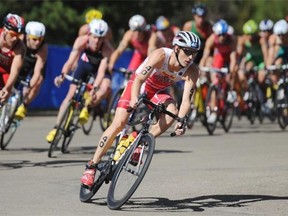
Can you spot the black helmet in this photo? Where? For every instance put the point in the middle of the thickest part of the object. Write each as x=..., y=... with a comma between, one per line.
x=14, y=22
x=199, y=10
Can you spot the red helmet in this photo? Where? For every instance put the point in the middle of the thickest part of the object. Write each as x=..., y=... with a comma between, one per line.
x=14, y=22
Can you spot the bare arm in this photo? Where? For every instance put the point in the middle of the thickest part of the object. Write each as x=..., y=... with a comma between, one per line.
x=191, y=77
x=187, y=26
x=152, y=43
x=107, y=51
x=155, y=60
x=78, y=47
x=207, y=50
x=40, y=64
x=16, y=66
x=120, y=49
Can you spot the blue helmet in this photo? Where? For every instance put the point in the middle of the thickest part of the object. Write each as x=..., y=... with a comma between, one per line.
x=220, y=27
x=162, y=23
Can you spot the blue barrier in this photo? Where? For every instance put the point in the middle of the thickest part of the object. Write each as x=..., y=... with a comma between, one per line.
x=50, y=97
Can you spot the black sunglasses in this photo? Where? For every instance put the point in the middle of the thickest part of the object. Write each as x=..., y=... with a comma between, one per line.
x=189, y=52
x=223, y=34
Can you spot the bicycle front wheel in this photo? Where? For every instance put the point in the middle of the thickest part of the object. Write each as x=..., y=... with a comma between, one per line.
x=282, y=107
x=210, y=126
x=227, y=115
x=130, y=171
x=112, y=106
x=8, y=126
x=60, y=131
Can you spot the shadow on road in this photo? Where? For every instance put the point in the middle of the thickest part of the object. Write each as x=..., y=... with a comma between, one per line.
x=197, y=204
x=17, y=164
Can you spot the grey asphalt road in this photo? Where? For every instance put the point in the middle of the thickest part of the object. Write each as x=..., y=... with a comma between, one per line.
x=243, y=172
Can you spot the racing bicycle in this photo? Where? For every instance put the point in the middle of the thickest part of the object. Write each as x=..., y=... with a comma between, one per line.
x=223, y=104
x=69, y=122
x=126, y=174
x=8, y=122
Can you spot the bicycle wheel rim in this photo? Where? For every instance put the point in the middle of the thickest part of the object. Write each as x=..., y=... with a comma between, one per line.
x=127, y=177
x=210, y=126
x=89, y=125
x=69, y=129
x=112, y=107
x=7, y=136
x=282, y=108
x=59, y=133
x=228, y=116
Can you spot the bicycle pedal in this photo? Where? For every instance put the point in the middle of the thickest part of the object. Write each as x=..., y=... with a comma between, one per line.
x=106, y=181
x=87, y=187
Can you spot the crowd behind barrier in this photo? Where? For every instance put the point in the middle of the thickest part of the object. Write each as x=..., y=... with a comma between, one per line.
x=50, y=97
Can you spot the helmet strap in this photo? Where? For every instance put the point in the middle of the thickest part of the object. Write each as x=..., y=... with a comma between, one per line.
x=176, y=54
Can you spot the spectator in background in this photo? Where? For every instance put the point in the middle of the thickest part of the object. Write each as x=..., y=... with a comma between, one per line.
x=200, y=26
x=34, y=64
x=12, y=52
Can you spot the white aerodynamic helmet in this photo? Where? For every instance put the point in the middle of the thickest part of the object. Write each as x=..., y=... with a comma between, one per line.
x=266, y=25
x=98, y=27
x=187, y=39
x=35, y=28
x=280, y=27
x=137, y=23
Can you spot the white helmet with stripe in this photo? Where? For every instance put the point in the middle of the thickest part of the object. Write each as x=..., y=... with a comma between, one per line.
x=187, y=39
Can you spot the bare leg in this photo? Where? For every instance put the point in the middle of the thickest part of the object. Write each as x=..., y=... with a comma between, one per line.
x=107, y=138
x=165, y=121
x=32, y=94
x=65, y=102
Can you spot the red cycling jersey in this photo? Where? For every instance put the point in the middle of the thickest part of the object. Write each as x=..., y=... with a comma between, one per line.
x=6, y=59
x=222, y=51
x=140, y=51
x=156, y=84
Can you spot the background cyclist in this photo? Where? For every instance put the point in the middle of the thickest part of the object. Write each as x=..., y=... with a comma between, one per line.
x=34, y=64
x=12, y=52
x=161, y=69
x=137, y=37
x=89, y=16
x=223, y=46
x=200, y=25
x=92, y=52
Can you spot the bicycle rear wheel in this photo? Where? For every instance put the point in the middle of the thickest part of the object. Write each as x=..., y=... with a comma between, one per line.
x=112, y=106
x=228, y=114
x=210, y=126
x=59, y=131
x=130, y=171
x=282, y=107
x=89, y=125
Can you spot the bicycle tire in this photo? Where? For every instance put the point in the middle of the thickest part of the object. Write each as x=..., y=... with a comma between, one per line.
x=113, y=105
x=282, y=107
x=103, y=117
x=115, y=199
x=10, y=126
x=104, y=173
x=89, y=125
x=210, y=126
x=59, y=132
x=8, y=134
x=251, y=104
x=228, y=114
x=69, y=129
